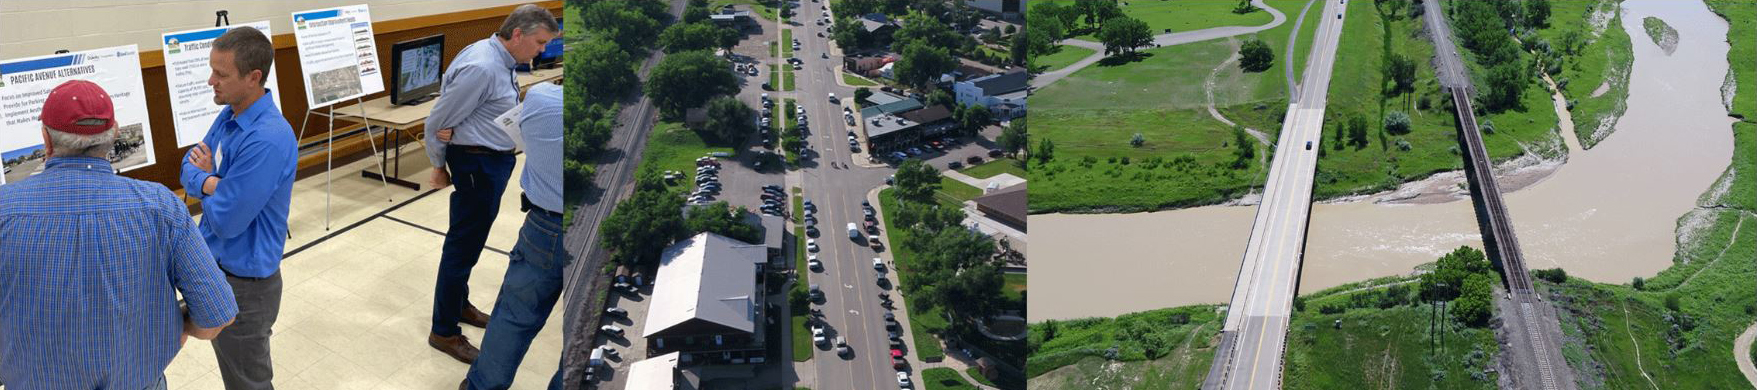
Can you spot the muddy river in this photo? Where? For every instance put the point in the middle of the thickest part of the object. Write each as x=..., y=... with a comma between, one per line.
x=1610, y=214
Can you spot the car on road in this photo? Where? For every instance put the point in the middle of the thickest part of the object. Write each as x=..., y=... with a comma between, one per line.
x=876, y=246
x=955, y=165
x=611, y=330
x=811, y=231
x=853, y=232
x=816, y=294
x=815, y=264
x=817, y=336
x=842, y=347
x=811, y=245
x=824, y=54
x=871, y=227
x=879, y=265
x=616, y=311
x=798, y=66
x=1308, y=145
x=833, y=98
x=1339, y=16
x=884, y=283
x=903, y=379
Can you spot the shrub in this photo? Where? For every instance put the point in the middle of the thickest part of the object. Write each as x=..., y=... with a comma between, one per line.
x=1554, y=275
x=1330, y=309
x=1639, y=283
x=1397, y=123
x=1488, y=126
x=1403, y=144
x=1137, y=140
x=1671, y=301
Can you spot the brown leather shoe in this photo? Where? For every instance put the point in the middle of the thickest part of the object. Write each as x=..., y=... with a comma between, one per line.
x=465, y=385
x=458, y=347
x=473, y=316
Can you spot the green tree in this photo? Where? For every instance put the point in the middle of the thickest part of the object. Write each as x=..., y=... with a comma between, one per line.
x=599, y=71
x=1475, y=304
x=922, y=64
x=940, y=97
x=721, y=218
x=1243, y=149
x=1014, y=138
x=685, y=80
x=1506, y=82
x=1397, y=123
x=684, y=37
x=919, y=27
x=849, y=34
x=860, y=94
x=1357, y=131
x=1123, y=34
x=975, y=118
x=1045, y=151
x=1244, y=7
x=1018, y=49
x=1400, y=71
x=729, y=120
x=1537, y=13
x=628, y=23
x=1255, y=56
x=695, y=14
x=916, y=181
x=642, y=226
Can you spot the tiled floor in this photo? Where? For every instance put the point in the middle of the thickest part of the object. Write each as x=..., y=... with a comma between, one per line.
x=355, y=306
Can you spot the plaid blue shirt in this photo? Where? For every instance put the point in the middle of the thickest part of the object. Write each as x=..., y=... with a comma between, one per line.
x=90, y=267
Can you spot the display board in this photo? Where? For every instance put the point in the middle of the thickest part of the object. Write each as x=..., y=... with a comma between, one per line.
x=186, y=72
x=337, y=54
x=25, y=83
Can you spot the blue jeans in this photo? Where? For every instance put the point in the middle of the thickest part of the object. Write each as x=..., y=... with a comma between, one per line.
x=533, y=283
x=480, y=180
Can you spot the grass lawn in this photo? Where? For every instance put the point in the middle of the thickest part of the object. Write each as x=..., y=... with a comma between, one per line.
x=977, y=375
x=943, y=378
x=801, y=339
x=1187, y=15
x=922, y=323
x=1307, y=33
x=1062, y=58
x=856, y=80
x=1185, y=161
x=1742, y=17
x=1604, y=61
x=674, y=147
x=953, y=193
x=781, y=77
x=995, y=167
x=1015, y=287
x=1080, y=345
x=786, y=43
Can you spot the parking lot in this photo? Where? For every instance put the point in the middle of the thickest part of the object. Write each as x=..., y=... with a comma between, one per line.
x=628, y=346
x=960, y=150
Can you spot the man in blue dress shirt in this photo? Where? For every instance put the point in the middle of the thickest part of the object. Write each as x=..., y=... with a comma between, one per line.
x=243, y=173
x=469, y=150
x=533, y=279
x=91, y=263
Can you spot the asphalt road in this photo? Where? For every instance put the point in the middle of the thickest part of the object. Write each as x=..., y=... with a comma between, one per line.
x=1268, y=278
x=836, y=186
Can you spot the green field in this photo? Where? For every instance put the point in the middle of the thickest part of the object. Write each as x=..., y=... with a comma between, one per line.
x=856, y=80
x=1357, y=88
x=996, y=167
x=943, y=378
x=953, y=193
x=801, y=335
x=1187, y=15
x=786, y=45
x=758, y=7
x=801, y=338
x=781, y=77
x=1307, y=33
x=675, y=148
x=1743, y=54
x=1604, y=61
x=1389, y=348
x=1068, y=55
x=922, y=323
x=1072, y=354
x=1096, y=111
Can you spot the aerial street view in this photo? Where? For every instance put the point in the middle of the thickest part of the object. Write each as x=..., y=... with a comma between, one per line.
x=1392, y=194
x=810, y=194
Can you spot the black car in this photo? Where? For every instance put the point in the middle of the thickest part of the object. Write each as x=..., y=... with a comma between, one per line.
x=994, y=153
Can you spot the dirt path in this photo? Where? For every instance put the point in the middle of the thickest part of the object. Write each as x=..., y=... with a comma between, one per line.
x=1637, y=345
x=1729, y=244
x=1742, y=353
x=1208, y=87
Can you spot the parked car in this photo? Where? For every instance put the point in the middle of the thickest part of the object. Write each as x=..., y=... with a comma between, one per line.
x=814, y=264
x=817, y=336
x=811, y=245
x=955, y=165
x=611, y=329
x=903, y=380
x=897, y=360
x=995, y=153
x=842, y=347
x=874, y=241
x=816, y=293
x=878, y=264
x=616, y=311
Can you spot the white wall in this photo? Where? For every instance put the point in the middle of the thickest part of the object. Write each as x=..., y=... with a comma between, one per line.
x=31, y=28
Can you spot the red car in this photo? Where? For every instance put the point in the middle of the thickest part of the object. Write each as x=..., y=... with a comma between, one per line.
x=897, y=361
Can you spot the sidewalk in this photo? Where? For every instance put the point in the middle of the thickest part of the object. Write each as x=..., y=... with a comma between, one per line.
x=1005, y=180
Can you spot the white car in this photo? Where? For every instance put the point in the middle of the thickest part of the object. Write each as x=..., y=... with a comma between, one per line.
x=811, y=245
x=832, y=97
x=878, y=264
x=814, y=263
x=903, y=379
x=817, y=336
x=611, y=329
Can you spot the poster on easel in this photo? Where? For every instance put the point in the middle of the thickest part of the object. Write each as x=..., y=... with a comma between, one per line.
x=337, y=54
x=186, y=72
x=26, y=82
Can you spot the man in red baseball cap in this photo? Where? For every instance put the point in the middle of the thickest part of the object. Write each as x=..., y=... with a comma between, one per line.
x=91, y=263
